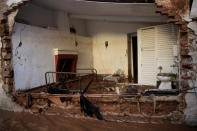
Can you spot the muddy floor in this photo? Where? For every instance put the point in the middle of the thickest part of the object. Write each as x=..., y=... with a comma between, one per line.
x=10, y=121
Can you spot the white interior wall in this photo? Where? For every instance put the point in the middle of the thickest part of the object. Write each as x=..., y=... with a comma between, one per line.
x=36, y=15
x=62, y=21
x=109, y=60
x=35, y=56
x=79, y=25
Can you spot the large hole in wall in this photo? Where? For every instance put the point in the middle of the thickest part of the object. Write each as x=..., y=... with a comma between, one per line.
x=40, y=28
x=106, y=49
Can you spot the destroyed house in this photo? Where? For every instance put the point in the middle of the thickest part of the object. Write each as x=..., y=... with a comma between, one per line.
x=115, y=59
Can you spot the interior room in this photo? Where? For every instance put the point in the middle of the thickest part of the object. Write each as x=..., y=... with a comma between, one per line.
x=108, y=37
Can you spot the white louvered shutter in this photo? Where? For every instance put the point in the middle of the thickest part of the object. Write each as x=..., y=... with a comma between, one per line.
x=155, y=46
x=166, y=37
x=148, y=56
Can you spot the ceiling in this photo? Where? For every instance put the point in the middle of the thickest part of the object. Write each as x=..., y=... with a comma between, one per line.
x=83, y=8
x=125, y=1
x=99, y=8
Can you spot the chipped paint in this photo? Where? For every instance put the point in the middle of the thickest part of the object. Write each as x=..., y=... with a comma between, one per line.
x=11, y=20
x=194, y=10
x=193, y=26
x=10, y=2
x=180, y=7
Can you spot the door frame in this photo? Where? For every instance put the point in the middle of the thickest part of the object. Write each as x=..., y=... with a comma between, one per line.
x=130, y=55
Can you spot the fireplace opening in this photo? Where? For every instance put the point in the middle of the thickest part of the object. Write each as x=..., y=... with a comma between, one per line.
x=66, y=63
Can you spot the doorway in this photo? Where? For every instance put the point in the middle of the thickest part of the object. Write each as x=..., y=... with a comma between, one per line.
x=132, y=58
x=135, y=59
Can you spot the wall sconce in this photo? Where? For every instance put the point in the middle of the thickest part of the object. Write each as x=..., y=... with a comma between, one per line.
x=76, y=43
x=106, y=44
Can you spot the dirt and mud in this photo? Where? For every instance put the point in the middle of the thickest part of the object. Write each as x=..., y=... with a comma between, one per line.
x=10, y=121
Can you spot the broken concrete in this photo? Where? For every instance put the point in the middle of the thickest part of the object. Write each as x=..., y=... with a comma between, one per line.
x=191, y=110
x=193, y=25
x=10, y=2
x=6, y=103
x=179, y=10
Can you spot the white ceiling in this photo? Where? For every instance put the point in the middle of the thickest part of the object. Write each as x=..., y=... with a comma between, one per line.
x=86, y=8
x=99, y=8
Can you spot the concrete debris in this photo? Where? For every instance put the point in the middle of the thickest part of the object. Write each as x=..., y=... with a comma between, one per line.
x=6, y=102
x=113, y=78
x=193, y=26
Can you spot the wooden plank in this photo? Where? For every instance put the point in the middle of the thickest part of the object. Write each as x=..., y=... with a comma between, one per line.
x=39, y=95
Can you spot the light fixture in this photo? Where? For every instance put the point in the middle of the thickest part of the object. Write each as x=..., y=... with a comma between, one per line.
x=106, y=44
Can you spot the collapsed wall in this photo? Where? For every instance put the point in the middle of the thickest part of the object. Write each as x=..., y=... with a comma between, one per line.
x=191, y=98
x=6, y=103
x=8, y=11
x=178, y=12
x=191, y=95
